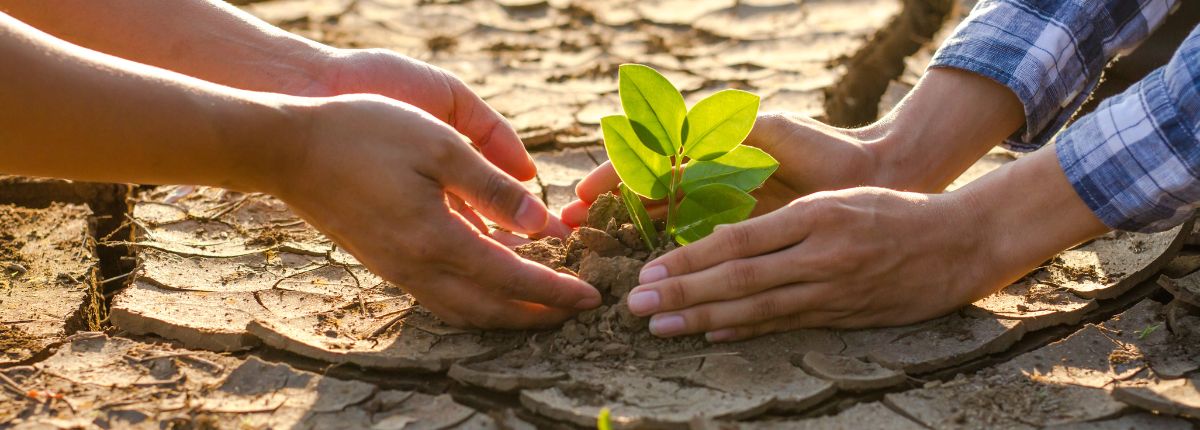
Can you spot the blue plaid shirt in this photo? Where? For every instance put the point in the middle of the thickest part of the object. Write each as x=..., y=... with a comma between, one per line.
x=1135, y=161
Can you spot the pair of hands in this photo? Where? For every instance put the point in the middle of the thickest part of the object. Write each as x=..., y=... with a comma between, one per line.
x=852, y=231
x=852, y=258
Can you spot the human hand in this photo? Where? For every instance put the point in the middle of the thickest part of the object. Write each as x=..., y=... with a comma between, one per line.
x=845, y=259
x=865, y=257
x=381, y=178
x=442, y=95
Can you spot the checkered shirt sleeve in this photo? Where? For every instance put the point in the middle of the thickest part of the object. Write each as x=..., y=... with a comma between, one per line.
x=1049, y=52
x=1135, y=161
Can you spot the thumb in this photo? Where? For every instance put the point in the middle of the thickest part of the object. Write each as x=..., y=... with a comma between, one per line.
x=495, y=194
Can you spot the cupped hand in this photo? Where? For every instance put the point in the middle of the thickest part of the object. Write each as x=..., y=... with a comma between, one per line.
x=442, y=95
x=844, y=259
x=383, y=180
x=812, y=157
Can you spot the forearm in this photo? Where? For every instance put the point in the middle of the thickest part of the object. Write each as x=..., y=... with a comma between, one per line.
x=210, y=40
x=1025, y=212
x=944, y=125
x=73, y=113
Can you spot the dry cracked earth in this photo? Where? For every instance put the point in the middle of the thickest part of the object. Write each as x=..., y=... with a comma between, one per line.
x=191, y=307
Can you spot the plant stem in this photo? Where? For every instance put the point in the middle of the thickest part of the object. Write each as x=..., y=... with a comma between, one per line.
x=676, y=177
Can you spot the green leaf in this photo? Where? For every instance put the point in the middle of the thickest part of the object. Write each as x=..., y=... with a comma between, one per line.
x=641, y=218
x=745, y=167
x=655, y=108
x=709, y=206
x=719, y=123
x=646, y=173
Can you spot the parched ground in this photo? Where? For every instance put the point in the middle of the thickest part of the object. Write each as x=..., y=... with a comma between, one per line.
x=196, y=307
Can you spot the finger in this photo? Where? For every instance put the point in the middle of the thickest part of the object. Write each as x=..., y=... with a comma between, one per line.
x=506, y=275
x=488, y=190
x=467, y=213
x=508, y=239
x=575, y=214
x=484, y=310
x=489, y=131
x=554, y=228
x=600, y=180
x=726, y=281
x=779, y=302
x=748, y=238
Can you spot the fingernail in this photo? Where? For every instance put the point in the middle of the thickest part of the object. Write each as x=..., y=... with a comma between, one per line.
x=722, y=335
x=666, y=325
x=644, y=302
x=529, y=218
x=588, y=303
x=652, y=274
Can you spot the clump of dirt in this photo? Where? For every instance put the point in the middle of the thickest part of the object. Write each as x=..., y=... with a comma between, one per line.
x=1044, y=293
x=608, y=253
x=268, y=237
x=15, y=342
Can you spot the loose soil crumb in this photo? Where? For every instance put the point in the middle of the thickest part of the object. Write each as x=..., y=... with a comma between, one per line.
x=607, y=253
x=268, y=237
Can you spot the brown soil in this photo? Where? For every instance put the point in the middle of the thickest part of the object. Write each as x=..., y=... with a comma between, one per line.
x=16, y=344
x=48, y=284
x=607, y=253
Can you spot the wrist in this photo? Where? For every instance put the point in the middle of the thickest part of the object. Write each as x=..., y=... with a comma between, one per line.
x=266, y=139
x=1022, y=215
x=339, y=71
x=941, y=128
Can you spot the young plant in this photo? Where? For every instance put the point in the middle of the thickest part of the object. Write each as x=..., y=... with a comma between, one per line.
x=662, y=150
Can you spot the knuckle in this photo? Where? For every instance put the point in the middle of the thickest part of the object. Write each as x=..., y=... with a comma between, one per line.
x=497, y=193
x=674, y=294
x=764, y=307
x=682, y=260
x=772, y=121
x=741, y=276
x=792, y=322
x=737, y=238
x=443, y=150
x=699, y=320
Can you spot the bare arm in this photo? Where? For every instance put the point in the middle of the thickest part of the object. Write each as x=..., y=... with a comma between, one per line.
x=212, y=41
x=74, y=113
x=216, y=42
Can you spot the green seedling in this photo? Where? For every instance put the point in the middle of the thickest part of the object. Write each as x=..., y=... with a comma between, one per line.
x=662, y=150
x=604, y=420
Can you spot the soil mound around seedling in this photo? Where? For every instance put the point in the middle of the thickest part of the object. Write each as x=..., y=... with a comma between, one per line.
x=608, y=253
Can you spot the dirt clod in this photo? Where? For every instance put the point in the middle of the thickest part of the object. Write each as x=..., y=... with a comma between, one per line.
x=609, y=258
